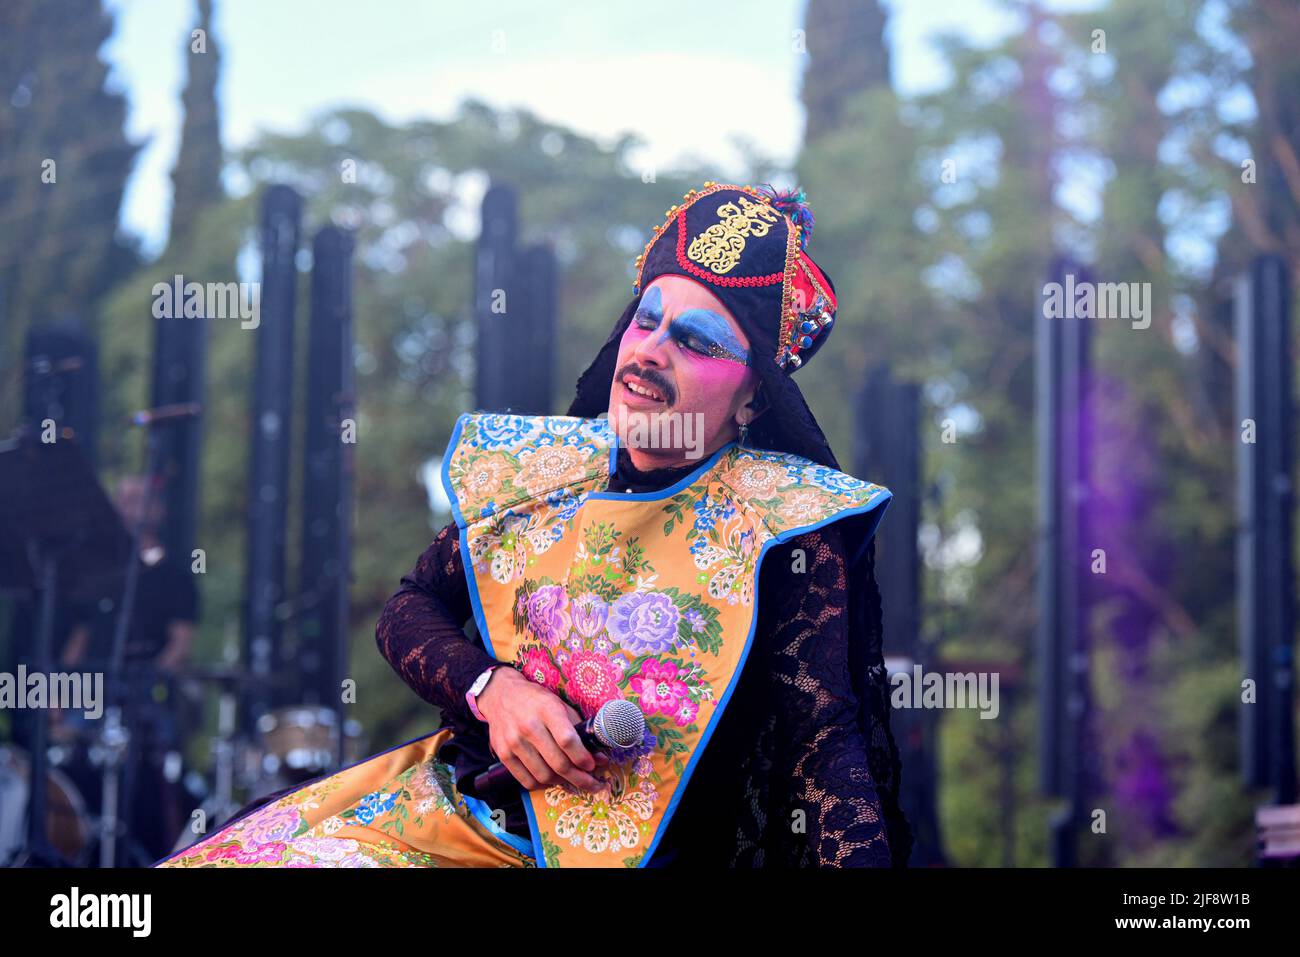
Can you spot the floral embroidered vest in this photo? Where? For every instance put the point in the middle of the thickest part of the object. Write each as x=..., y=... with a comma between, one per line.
x=649, y=597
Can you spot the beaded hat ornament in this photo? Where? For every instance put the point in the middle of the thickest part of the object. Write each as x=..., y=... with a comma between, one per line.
x=748, y=246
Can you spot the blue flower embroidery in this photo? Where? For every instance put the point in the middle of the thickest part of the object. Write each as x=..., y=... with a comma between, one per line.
x=834, y=481
x=565, y=500
x=497, y=431
x=708, y=512
x=374, y=804
x=568, y=430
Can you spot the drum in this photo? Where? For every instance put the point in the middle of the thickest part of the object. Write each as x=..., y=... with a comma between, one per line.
x=297, y=742
x=67, y=825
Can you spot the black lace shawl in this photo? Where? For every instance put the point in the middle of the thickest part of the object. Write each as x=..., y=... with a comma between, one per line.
x=801, y=770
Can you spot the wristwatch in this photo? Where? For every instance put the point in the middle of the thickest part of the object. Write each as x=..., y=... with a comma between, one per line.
x=471, y=696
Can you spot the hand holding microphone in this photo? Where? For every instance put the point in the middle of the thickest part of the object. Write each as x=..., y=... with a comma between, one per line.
x=539, y=737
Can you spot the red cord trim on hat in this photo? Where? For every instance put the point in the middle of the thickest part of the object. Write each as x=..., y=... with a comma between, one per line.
x=769, y=280
x=692, y=198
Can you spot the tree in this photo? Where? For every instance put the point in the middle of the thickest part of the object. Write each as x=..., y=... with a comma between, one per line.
x=64, y=162
x=196, y=178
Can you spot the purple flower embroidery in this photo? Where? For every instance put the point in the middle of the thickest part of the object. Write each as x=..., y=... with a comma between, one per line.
x=547, y=614
x=637, y=753
x=277, y=825
x=644, y=622
x=589, y=614
x=695, y=618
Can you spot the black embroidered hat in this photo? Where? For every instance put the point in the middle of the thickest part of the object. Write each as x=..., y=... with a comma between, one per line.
x=748, y=246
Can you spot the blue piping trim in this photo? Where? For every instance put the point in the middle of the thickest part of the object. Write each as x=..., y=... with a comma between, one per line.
x=661, y=493
x=484, y=814
x=866, y=539
x=480, y=619
x=870, y=504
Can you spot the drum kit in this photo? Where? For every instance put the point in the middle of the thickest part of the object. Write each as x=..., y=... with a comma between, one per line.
x=114, y=791
x=291, y=745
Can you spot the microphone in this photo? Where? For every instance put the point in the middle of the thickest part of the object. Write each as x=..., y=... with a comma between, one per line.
x=618, y=723
x=166, y=413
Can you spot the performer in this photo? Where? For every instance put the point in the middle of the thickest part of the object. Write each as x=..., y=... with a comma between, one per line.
x=721, y=579
x=166, y=606
x=161, y=632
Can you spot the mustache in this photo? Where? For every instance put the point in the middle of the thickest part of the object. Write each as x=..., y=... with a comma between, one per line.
x=651, y=377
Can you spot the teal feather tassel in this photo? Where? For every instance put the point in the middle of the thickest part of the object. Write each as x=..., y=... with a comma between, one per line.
x=793, y=203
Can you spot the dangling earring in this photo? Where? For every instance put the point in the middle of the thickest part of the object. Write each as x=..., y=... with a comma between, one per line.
x=744, y=432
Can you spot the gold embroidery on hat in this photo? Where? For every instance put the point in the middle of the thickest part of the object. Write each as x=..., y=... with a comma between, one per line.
x=719, y=247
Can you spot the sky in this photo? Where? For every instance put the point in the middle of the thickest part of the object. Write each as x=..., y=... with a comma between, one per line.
x=666, y=71
x=583, y=64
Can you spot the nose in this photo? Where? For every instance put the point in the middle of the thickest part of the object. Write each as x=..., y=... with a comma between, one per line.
x=652, y=351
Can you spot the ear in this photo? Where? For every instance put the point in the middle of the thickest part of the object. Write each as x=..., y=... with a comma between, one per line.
x=753, y=404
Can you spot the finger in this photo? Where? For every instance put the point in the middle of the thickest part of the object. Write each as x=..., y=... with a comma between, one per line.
x=567, y=737
x=526, y=780
x=562, y=764
x=537, y=766
x=558, y=757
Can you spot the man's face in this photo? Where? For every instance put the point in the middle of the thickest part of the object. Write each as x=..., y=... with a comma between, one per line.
x=687, y=351
x=130, y=498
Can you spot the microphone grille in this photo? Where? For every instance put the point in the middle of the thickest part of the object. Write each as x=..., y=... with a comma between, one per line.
x=619, y=724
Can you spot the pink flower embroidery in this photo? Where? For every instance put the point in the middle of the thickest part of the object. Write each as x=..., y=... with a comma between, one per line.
x=262, y=854
x=686, y=712
x=659, y=688
x=592, y=680
x=537, y=666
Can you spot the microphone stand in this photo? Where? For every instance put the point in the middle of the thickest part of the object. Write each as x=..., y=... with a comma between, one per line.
x=116, y=738
x=58, y=533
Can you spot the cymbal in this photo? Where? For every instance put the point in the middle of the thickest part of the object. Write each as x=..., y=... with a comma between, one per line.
x=227, y=675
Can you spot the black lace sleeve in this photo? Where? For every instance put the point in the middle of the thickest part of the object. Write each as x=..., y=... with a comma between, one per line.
x=871, y=682
x=820, y=749
x=421, y=630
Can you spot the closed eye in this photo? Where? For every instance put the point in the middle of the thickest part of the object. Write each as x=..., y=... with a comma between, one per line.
x=684, y=338
x=689, y=341
x=695, y=344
